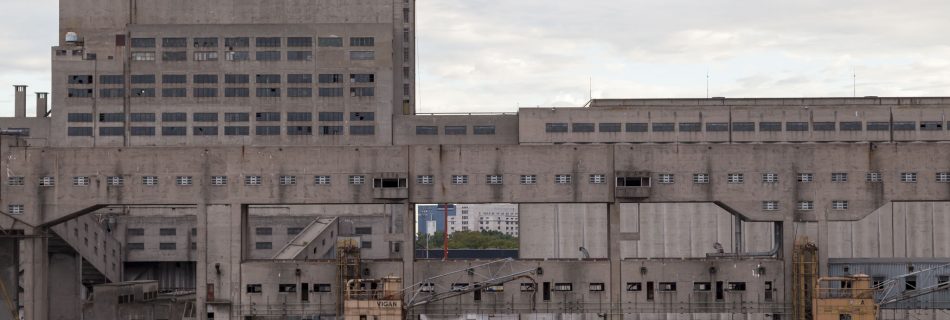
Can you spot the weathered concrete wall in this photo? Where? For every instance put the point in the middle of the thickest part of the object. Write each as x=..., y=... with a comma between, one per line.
x=558, y=231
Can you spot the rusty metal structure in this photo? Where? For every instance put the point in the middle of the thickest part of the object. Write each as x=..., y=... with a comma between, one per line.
x=804, y=276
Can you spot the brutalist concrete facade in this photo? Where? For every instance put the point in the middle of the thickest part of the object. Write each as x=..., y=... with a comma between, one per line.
x=193, y=142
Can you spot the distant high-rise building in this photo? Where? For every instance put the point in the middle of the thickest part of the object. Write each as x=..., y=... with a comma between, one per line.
x=431, y=218
x=485, y=217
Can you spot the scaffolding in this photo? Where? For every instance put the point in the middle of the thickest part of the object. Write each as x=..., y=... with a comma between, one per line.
x=348, y=262
x=804, y=276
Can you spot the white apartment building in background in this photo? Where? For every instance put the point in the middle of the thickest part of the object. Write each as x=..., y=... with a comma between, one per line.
x=485, y=217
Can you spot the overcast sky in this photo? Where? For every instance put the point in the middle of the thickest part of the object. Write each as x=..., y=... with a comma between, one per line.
x=497, y=55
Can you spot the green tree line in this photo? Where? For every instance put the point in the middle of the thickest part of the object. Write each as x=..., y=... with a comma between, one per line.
x=469, y=240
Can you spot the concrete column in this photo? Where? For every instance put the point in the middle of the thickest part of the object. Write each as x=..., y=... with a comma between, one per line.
x=201, y=263
x=9, y=274
x=35, y=273
x=19, y=109
x=409, y=246
x=42, y=104
x=65, y=286
x=219, y=264
x=614, y=253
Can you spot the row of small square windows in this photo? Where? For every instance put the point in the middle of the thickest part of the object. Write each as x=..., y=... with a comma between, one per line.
x=228, y=78
x=194, y=231
x=214, y=116
x=804, y=205
x=663, y=178
x=270, y=55
x=228, y=131
x=587, y=127
x=228, y=92
x=909, y=177
x=244, y=42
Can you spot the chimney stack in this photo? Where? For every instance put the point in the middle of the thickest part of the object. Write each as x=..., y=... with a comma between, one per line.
x=41, y=104
x=19, y=109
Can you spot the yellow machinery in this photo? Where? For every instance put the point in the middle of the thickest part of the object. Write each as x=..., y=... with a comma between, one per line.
x=844, y=298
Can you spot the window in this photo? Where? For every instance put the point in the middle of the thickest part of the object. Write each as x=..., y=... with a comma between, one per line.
x=167, y=246
x=206, y=56
x=362, y=78
x=735, y=178
x=219, y=180
x=268, y=42
x=633, y=181
x=905, y=125
x=839, y=204
x=839, y=177
x=268, y=92
x=135, y=231
x=878, y=126
x=634, y=286
x=796, y=126
x=174, y=56
x=252, y=180
x=563, y=287
x=806, y=177
x=143, y=117
x=264, y=231
x=700, y=178
x=80, y=181
x=424, y=179
x=873, y=177
x=363, y=231
x=16, y=209
x=174, y=131
x=299, y=130
x=299, y=116
x=456, y=130
x=268, y=116
x=582, y=127
x=184, y=180
x=909, y=177
x=702, y=286
x=362, y=92
x=111, y=93
x=267, y=56
x=205, y=92
x=237, y=56
x=330, y=42
x=483, y=130
x=931, y=125
x=598, y=179
x=562, y=179
x=717, y=126
x=300, y=42
x=111, y=131
x=528, y=287
x=459, y=179
x=255, y=288
x=294, y=231
x=362, y=55
x=357, y=179
x=596, y=287
x=770, y=177
x=79, y=93
x=666, y=286
x=143, y=131
x=609, y=127
x=743, y=126
x=636, y=127
x=321, y=180
x=735, y=286
x=287, y=180
x=15, y=180
x=362, y=130
x=47, y=181
x=770, y=205
x=79, y=117
x=322, y=287
x=267, y=130
x=850, y=125
x=663, y=127
x=111, y=117
x=770, y=126
x=237, y=130
x=167, y=231
x=237, y=42
x=555, y=127
x=361, y=41
x=263, y=245
x=690, y=127
x=330, y=116
x=427, y=130
x=943, y=176
x=143, y=56
x=111, y=79
x=174, y=42
x=823, y=126
x=205, y=42
x=330, y=92
x=665, y=178
x=329, y=78
x=135, y=246
x=237, y=92
x=150, y=180
x=362, y=116
x=143, y=42
x=204, y=131
x=528, y=179
x=805, y=205
x=300, y=78
x=494, y=179
x=331, y=130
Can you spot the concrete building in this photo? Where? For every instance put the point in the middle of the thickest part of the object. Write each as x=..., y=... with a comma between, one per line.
x=219, y=148
x=486, y=217
x=431, y=218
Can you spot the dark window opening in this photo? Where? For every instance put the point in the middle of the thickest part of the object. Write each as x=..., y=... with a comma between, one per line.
x=390, y=183
x=633, y=181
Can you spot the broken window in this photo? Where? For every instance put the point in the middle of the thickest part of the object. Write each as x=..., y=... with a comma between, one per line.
x=254, y=288
x=702, y=286
x=299, y=130
x=331, y=130
x=634, y=286
x=633, y=181
x=204, y=131
x=735, y=286
x=666, y=286
x=389, y=183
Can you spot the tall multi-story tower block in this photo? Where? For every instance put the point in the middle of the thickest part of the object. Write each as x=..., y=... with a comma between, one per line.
x=237, y=72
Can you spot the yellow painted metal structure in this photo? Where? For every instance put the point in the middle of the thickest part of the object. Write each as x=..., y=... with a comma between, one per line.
x=844, y=298
x=804, y=276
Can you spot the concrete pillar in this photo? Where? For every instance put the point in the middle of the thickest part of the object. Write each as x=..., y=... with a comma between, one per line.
x=219, y=258
x=19, y=109
x=408, y=246
x=42, y=104
x=201, y=263
x=9, y=274
x=35, y=273
x=64, y=286
x=614, y=254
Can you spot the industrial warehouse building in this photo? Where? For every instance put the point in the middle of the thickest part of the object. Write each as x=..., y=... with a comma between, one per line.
x=202, y=159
